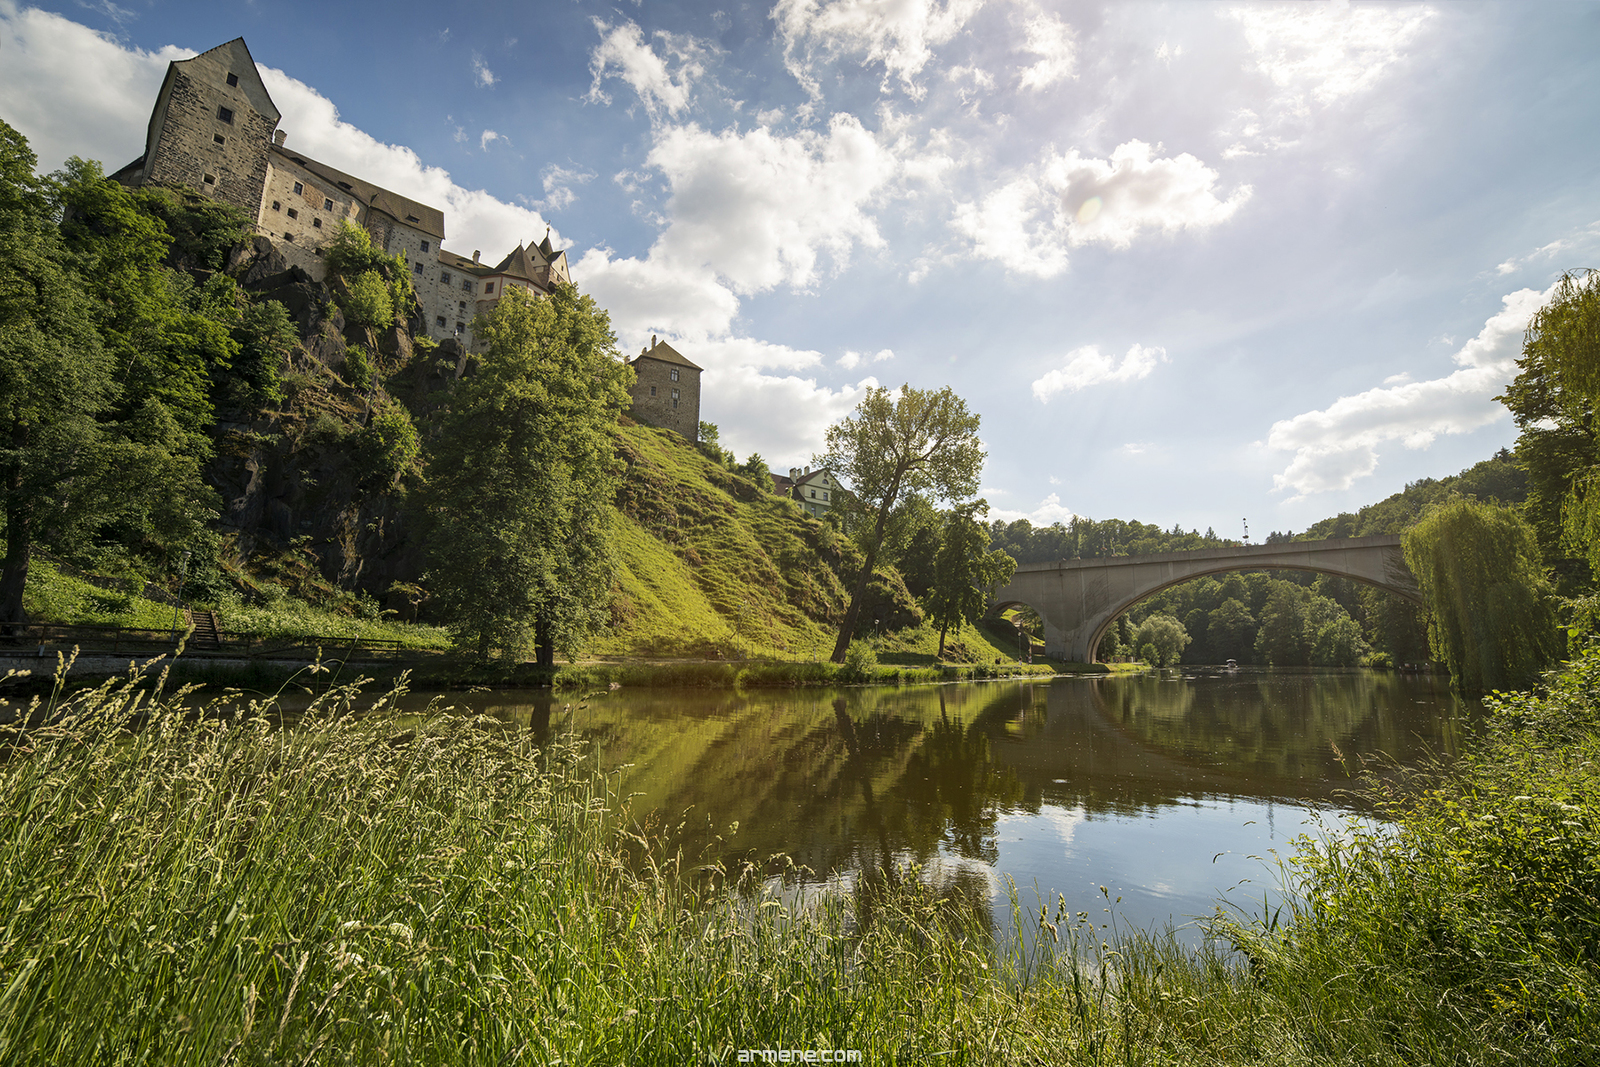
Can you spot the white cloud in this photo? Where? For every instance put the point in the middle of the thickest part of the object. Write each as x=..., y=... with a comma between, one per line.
x=746, y=212
x=1581, y=239
x=851, y=360
x=1051, y=40
x=1071, y=200
x=1338, y=445
x=488, y=138
x=785, y=418
x=481, y=72
x=623, y=53
x=900, y=34
x=558, y=183
x=101, y=117
x=1327, y=50
x=1087, y=366
x=1050, y=510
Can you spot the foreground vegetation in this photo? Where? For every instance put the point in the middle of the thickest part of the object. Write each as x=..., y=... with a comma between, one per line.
x=206, y=888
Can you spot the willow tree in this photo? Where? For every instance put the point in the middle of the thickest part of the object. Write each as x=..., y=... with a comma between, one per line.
x=917, y=441
x=1478, y=565
x=521, y=480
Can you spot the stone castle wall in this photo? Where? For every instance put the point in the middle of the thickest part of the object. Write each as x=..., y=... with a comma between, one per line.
x=660, y=401
x=187, y=150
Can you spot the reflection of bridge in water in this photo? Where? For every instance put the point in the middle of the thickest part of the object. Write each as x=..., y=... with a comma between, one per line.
x=1078, y=599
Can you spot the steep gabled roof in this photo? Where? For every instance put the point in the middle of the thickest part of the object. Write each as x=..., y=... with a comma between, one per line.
x=666, y=354
x=526, y=264
x=429, y=220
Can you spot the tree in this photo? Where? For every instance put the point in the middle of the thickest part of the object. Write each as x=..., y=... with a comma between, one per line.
x=922, y=441
x=1164, y=637
x=1231, y=630
x=1282, y=640
x=521, y=480
x=963, y=571
x=1478, y=565
x=55, y=376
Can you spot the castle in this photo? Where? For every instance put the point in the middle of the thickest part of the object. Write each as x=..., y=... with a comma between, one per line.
x=215, y=129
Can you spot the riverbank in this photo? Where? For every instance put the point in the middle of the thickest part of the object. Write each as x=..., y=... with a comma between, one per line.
x=358, y=892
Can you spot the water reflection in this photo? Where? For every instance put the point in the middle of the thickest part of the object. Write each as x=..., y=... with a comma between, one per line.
x=1160, y=788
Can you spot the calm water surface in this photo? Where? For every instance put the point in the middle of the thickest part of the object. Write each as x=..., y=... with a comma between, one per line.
x=1171, y=792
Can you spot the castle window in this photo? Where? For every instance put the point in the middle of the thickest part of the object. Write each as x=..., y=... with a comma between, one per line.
x=444, y=277
x=813, y=494
x=439, y=321
x=225, y=114
x=217, y=138
x=488, y=287
x=652, y=390
x=287, y=236
x=277, y=206
x=293, y=214
x=299, y=187
x=824, y=494
x=233, y=80
x=316, y=224
x=327, y=205
x=463, y=307
x=412, y=218
x=466, y=283
x=210, y=179
x=461, y=327
x=674, y=373
x=424, y=246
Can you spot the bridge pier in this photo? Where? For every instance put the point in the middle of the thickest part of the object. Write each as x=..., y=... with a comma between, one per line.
x=1078, y=599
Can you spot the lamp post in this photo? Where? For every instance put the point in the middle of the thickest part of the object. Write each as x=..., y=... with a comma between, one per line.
x=1016, y=620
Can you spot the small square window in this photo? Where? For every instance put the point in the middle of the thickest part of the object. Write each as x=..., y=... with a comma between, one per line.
x=674, y=373
x=287, y=236
x=438, y=320
x=488, y=287
x=813, y=494
x=463, y=306
x=652, y=390
x=417, y=267
x=293, y=214
x=461, y=327
x=277, y=206
x=674, y=394
x=299, y=187
x=445, y=278
x=327, y=205
x=466, y=283
x=233, y=80
x=210, y=179
x=316, y=224
x=217, y=138
x=225, y=114
x=424, y=246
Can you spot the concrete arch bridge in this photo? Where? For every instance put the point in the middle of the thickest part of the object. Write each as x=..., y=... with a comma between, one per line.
x=1078, y=599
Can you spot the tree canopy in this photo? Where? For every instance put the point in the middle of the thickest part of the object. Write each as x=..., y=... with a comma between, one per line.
x=521, y=479
x=918, y=440
x=963, y=571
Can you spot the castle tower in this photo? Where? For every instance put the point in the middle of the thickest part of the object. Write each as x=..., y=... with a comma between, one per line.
x=211, y=128
x=666, y=391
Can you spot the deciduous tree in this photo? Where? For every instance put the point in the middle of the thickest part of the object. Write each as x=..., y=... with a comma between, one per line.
x=919, y=440
x=964, y=571
x=521, y=480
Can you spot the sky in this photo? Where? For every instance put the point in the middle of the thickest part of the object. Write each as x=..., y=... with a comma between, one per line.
x=1193, y=264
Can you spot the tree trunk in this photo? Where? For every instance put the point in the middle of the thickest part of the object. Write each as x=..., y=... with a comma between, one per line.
x=847, y=629
x=943, y=629
x=544, y=644
x=14, y=572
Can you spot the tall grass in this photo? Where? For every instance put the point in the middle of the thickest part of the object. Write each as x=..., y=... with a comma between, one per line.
x=210, y=887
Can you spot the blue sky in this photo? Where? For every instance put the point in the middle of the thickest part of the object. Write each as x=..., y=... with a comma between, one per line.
x=1192, y=263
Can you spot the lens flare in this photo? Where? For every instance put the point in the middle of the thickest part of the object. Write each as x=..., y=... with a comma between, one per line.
x=1089, y=209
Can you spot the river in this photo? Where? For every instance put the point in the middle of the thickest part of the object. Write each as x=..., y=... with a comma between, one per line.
x=1173, y=792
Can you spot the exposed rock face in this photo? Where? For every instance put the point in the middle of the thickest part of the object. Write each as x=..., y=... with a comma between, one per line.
x=304, y=474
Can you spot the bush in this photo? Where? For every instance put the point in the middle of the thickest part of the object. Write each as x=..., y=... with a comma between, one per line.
x=860, y=662
x=368, y=303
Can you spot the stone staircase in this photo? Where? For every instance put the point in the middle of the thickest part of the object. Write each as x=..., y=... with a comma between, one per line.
x=207, y=631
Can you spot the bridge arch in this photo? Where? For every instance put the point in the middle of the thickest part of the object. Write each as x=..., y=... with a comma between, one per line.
x=1080, y=598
